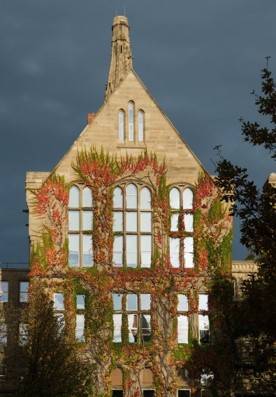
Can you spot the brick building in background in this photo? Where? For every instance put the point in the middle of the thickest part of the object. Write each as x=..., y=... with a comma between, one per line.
x=136, y=208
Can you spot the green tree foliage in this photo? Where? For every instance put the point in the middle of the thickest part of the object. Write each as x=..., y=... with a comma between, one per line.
x=53, y=368
x=256, y=209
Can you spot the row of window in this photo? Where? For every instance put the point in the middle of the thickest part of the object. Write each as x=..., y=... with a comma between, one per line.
x=22, y=334
x=135, y=310
x=23, y=291
x=129, y=130
x=132, y=227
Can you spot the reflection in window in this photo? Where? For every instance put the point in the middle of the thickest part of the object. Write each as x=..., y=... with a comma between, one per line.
x=203, y=319
x=23, y=334
x=58, y=301
x=182, y=319
x=3, y=333
x=132, y=226
x=80, y=318
x=141, y=125
x=131, y=121
x=80, y=226
x=135, y=308
x=182, y=222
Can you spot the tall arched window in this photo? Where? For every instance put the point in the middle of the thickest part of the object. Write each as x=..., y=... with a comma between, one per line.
x=181, y=231
x=141, y=126
x=132, y=226
x=121, y=125
x=80, y=227
x=131, y=121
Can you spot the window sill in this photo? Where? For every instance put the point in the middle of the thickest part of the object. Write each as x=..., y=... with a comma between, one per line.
x=134, y=145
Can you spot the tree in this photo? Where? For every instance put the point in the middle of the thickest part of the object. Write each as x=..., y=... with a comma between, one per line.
x=53, y=368
x=256, y=210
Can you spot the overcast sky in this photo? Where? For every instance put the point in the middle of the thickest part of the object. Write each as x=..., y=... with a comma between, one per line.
x=199, y=58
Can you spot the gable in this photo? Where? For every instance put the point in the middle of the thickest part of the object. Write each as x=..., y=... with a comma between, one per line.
x=161, y=137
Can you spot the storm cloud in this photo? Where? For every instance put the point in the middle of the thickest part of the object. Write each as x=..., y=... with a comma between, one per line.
x=200, y=59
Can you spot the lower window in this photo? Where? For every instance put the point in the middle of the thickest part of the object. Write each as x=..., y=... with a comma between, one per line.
x=117, y=393
x=148, y=393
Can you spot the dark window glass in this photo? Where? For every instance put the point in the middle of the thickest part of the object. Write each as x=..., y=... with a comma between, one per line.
x=117, y=393
x=184, y=393
x=148, y=393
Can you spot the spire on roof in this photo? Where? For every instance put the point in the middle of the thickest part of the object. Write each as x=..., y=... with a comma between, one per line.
x=121, y=57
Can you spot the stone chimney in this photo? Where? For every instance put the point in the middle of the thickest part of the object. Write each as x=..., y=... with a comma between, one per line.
x=121, y=57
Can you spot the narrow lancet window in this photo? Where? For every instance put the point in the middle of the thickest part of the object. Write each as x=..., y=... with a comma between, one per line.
x=131, y=121
x=121, y=126
x=141, y=126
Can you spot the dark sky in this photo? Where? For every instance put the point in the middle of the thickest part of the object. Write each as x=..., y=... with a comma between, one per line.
x=199, y=58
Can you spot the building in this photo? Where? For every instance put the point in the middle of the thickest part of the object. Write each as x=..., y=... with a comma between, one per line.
x=137, y=209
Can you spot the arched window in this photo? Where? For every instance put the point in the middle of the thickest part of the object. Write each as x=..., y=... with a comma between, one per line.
x=131, y=121
x=80, y=227
x=132, y=226
x=141, y=126
x=121, y=125
x=182, y=219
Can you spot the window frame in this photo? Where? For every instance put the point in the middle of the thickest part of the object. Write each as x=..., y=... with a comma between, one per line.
x=186, y=314
x=81, y=232
x=203, y=312
x=180, y=233
x=182, y=389
x=139, y=312
x=138, y=233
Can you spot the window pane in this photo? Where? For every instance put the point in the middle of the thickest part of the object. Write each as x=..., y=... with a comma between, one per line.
x=121, y=125
x=87, y=257
x=131, y=221
x=131, y=302
x=204, y=332
x=182, y=303
x=87, y=197
x=141, y=125
x=148, y=393
x=202, y=302
x=174, y=252
x=175, y=199
x=117, y=198
x=189, y=252
x=117, y=328
x=117, y=393
x=74, y=220
x=58, y=301
x=80, y=327
x=60, y=321
x=145, y=222
x=182, y=329
x=145, y=300
x=117, y=301
x=23, y=293
x=145, y=199
x=188, y=199
x=87, y=220
x=74, y=249
x=4, y=292
x=118, y=251
x=117, y=221
x=131, y=251
x=74, y=197
x=131, y=121
x=145, y=246
x=174, y=222
x=132, y=327
x=80, y=300
x=189, y=222
x=146, y=327
x=131, y=196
